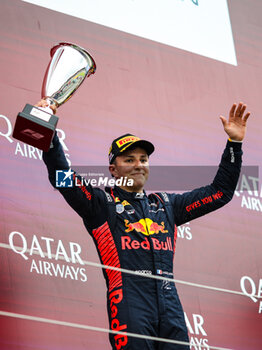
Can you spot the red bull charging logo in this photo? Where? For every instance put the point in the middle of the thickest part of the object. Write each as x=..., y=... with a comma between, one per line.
x=145, y=226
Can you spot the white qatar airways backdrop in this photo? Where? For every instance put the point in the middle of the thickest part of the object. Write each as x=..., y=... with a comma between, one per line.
x=199, y=26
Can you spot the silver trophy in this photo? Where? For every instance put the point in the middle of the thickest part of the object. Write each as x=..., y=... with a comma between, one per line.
x=67, y=69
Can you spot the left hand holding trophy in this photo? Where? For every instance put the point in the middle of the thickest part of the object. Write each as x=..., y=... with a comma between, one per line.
x=69, y=66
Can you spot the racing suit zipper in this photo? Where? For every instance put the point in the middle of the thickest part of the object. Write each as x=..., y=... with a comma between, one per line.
x=156, y=260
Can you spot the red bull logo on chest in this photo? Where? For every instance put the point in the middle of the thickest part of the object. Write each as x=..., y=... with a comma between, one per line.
x=145, y=226
x=129, y=244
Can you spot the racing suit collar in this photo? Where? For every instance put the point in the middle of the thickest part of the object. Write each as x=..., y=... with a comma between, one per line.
x=127, y=195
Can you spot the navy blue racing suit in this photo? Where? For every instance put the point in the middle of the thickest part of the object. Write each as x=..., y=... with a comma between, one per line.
x=138, y=232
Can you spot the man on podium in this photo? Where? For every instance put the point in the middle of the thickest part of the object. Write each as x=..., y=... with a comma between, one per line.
x=137, y=232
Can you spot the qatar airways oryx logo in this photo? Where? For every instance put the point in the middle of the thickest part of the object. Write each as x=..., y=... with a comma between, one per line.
x=250, y=192
x=52, y=258
x=253, y=290
x=22, y=149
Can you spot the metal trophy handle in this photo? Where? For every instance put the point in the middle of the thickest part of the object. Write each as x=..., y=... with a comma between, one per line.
x=69, y=66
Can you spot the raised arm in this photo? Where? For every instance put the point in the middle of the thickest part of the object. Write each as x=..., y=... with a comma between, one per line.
x=201, y=201
x=85, y=200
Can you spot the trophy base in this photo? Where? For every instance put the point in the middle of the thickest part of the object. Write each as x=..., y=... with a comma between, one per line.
x=35, y=127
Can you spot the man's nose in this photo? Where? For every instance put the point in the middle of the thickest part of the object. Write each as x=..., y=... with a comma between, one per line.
x=138, y=163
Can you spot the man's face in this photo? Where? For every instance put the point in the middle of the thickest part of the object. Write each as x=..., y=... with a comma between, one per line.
x=132, y=164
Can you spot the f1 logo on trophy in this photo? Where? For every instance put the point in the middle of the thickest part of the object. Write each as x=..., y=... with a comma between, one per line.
x=69, y=66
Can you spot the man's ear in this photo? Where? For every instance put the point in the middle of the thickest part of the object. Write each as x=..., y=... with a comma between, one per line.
x=112, y=169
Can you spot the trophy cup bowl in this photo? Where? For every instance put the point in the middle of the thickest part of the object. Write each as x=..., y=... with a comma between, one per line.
x=69, y=66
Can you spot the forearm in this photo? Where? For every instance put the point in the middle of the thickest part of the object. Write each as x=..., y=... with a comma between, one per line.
x=191, y=205
x=55, y=159
x=85, y=200
x=229, y=169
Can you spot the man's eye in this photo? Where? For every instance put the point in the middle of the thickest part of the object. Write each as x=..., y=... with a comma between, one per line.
x=129, y=160
x=143, y=160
